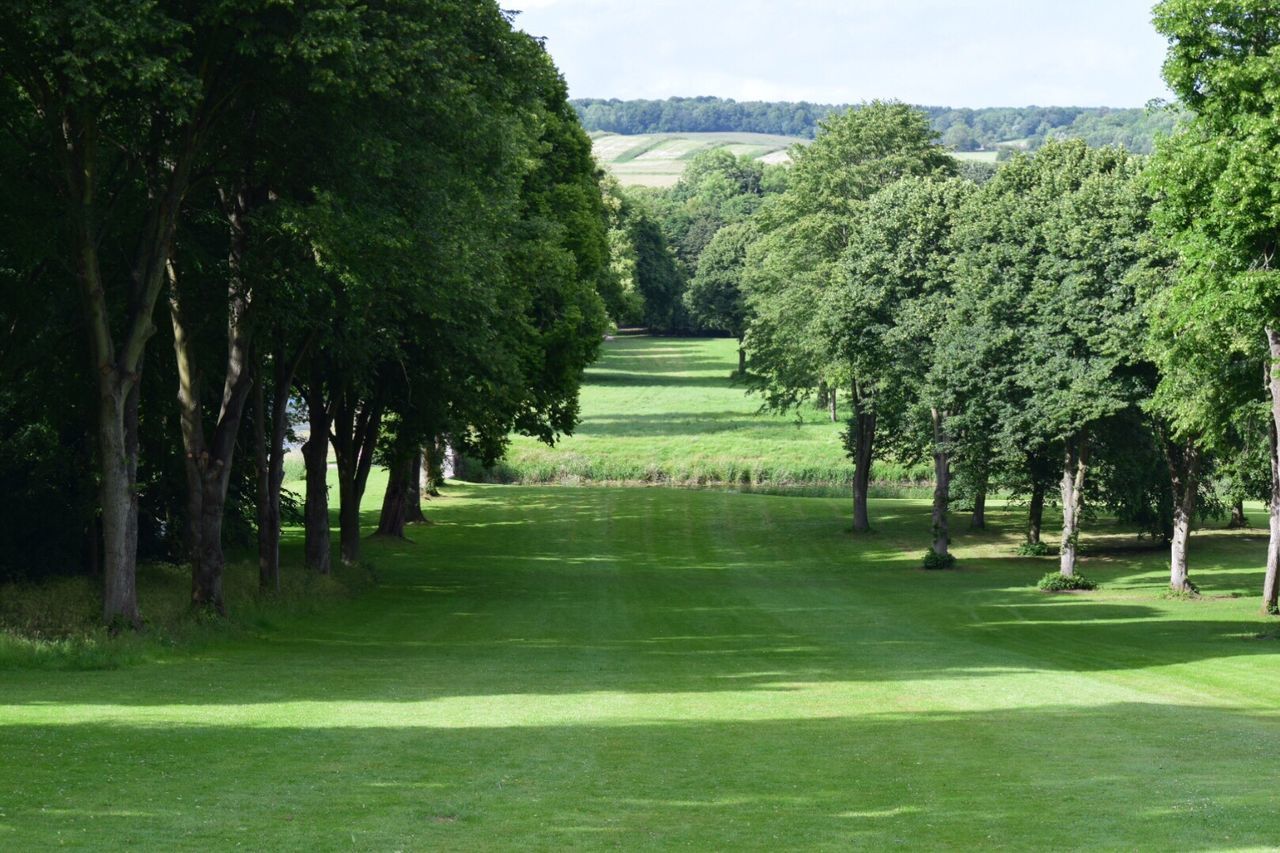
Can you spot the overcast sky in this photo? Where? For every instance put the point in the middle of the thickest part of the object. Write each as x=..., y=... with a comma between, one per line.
x=963, y=53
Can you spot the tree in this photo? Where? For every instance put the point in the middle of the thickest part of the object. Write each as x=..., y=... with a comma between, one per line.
x=1220, y=183
x=805, y=232
x=129, y=97
x=880, y=318
x=1043, y=344
x=715, y=296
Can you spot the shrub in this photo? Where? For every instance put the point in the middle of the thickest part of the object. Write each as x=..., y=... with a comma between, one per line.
x=1056, y=582
x=1034, y=549
x=933, y=561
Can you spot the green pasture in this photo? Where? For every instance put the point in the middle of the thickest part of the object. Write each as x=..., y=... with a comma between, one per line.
x=667, y=410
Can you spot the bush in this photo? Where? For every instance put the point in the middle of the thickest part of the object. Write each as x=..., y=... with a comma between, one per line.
x=1055, y=582
x=1034, y=549
x=933, y=561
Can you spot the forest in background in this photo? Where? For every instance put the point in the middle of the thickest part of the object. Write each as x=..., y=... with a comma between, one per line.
x=989, y=128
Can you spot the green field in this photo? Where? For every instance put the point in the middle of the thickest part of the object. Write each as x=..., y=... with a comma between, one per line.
x=665, y=410
x=658, y=159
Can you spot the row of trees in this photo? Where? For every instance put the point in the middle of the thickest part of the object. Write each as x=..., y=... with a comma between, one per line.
x=1085, y=325
x=387, y=217
x=960, y=129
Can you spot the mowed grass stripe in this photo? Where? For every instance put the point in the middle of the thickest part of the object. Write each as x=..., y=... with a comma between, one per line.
x=547, y=668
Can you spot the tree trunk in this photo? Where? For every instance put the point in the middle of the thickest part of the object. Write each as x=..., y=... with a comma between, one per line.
x=1271, y=582
x=433, y=471
x=1238, y=519
x=742, y=359
x=119, y=497
x=1035, y=513
x=355, y=435
x=833, y=405
x=979, y=519
x=271, y=461
x=864, y=434
x=268, y=526
x=1075, y=464
x=1184, y=471
x=413, y=502
x=208, y=466
x=316, y=454
x=395, y=501
x=941, y=486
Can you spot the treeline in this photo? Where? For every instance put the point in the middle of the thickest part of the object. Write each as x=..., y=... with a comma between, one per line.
x=960, y=129
x=224, y=221
x=1081, y=326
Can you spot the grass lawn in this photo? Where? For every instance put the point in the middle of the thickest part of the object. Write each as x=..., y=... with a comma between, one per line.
x=666, y=410
x=549, y=668
x=653, y=668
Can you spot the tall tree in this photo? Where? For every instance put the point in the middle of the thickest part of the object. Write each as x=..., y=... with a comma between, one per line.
x=805, y=232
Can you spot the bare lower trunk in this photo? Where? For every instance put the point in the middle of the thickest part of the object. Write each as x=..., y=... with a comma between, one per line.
x=268, y=524
x=119, y=499
x=1271, y=582
x=316, y=513
x=395, y=501
x=413, y=502
x=356, y=425
x=833, y=405
x=941, y=487
x=1238, y=519
x=348, y=516
x=1184, y=469
x=742, y=359
x=864, y=434
x=433, y=469
x=208, y=466
x=1075, y=464
x=206, y=570
x=979, y=519
x=1035, y=513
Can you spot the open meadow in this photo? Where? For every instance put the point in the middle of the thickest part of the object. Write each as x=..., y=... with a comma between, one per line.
x=667, y=410
x=550, y=668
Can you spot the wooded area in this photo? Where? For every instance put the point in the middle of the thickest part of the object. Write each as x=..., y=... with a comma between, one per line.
x=985, y=129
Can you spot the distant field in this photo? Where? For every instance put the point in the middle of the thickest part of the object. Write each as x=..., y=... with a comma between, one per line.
x=658, y=159
x=665, y=410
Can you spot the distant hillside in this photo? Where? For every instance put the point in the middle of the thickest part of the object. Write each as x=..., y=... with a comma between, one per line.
x=963, y=130
x=658, y=159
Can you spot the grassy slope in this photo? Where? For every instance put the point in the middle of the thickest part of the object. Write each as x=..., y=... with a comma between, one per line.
x=665, y=409
x=548, y=668
x=658, y=159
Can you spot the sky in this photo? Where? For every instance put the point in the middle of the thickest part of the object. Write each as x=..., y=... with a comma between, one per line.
x=960, y=53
